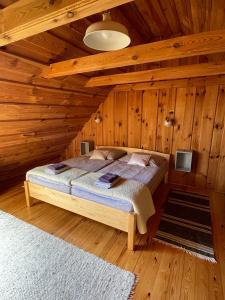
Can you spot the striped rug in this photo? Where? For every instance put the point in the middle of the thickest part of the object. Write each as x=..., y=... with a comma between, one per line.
x=186, y=224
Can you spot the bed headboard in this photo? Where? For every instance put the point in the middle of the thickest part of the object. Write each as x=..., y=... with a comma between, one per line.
x=132, y=150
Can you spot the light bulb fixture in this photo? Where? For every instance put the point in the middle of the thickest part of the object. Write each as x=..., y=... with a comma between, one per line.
x=107, y=35
x=98, y=118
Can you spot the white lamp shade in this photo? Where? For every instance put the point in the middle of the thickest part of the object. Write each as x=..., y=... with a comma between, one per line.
x=106, y=35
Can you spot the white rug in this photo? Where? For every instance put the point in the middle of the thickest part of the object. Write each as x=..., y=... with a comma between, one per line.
x=36, y=265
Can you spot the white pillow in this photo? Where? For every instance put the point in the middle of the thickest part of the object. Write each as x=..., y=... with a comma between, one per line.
x=139, y=159
x=99, y=154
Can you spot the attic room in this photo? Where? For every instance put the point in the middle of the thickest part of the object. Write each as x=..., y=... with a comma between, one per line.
x=112, y=149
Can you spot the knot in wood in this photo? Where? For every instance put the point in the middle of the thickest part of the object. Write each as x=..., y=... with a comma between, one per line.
x=6, y=37
x=176, y=45
x=134, y=57
x=51, y=2
x=70, y=14
x=217, y=126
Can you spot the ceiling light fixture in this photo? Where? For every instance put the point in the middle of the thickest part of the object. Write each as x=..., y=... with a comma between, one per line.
x=107, y=35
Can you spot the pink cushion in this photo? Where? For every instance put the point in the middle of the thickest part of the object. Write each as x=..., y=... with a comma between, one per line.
x=139, y=159
x=99, y=154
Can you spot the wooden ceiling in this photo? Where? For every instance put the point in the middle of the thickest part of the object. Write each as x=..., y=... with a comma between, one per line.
x=146, y=20
x=40, y=116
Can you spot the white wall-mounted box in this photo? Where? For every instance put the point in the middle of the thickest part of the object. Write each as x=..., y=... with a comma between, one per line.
x=86, y=147
x=183, y=160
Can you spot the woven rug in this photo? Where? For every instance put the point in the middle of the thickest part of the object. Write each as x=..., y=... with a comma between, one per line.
x=36, y=265
x=186, y=224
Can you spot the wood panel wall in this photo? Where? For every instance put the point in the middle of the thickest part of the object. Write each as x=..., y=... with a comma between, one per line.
x=134, y=118
x=38, y=117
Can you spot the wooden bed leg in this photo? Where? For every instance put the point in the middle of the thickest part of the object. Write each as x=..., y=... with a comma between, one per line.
x=166, y=177
x=131, y=232
x=27, y=195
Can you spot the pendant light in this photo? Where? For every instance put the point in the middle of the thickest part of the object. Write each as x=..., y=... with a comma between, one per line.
x=106, y=35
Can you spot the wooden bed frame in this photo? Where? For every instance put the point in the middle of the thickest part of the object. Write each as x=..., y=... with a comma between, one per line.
x=125, y=221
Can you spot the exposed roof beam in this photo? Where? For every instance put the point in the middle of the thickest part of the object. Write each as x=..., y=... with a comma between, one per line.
x=188, y=71
x=26, y=18
x=173, y=83
x=185, y=46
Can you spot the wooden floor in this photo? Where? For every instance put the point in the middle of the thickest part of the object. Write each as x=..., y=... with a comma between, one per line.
x=163, y=272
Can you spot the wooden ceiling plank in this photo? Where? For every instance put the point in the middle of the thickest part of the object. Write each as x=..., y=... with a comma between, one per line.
x=217, y=15
x=28, y=71
x=179, y=47
x=18, y=139
x=29, y=51
x=48, y=42
x=201, y=15
x=154, y=17
x=69, y=35
x=118, y=16
x=12, y=75
x=171, y=16
x=46, y=48
x=36, y=127
x=137, y=21
x=189, y=71
x=26, y=18
x=17, y=92
x=9, y=61
x=185, y=16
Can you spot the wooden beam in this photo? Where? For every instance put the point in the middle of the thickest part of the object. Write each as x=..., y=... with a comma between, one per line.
x=188, y=71
x=175, y=83
x=185, y=46
x=26, y=18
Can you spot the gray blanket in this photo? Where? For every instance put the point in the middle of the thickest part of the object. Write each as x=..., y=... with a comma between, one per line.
x=87, y=164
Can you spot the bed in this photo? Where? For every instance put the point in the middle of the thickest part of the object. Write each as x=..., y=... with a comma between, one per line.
x=84, y=203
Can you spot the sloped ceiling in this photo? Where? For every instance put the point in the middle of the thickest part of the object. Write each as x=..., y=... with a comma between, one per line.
x=39, y=117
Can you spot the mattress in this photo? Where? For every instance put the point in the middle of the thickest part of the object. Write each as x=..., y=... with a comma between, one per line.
x=150, y=176
x=115, y=203
x=50, y=184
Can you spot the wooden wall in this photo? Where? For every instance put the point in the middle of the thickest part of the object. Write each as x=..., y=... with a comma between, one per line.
x=38, y=117
x=133, y=116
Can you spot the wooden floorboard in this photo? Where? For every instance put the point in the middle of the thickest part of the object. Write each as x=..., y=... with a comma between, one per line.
x=163, y=272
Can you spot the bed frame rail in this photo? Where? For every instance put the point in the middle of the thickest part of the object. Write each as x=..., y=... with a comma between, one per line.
x=121, y=220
